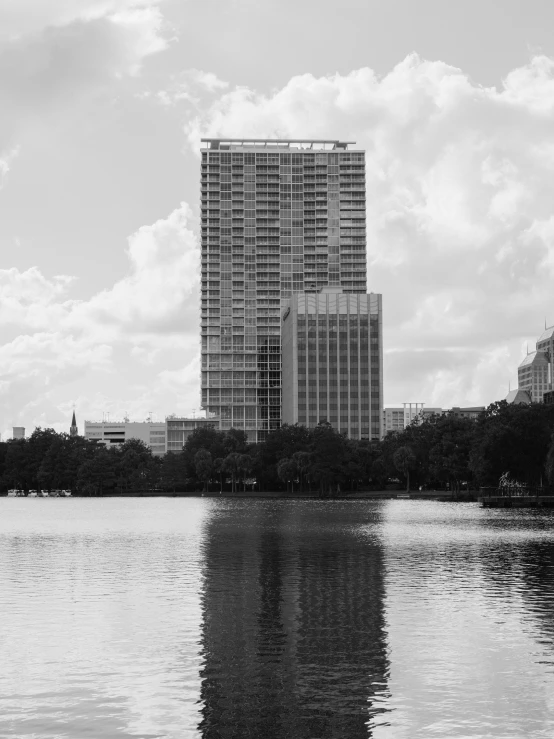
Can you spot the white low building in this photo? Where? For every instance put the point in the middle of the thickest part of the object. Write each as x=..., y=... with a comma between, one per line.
x=110, y=433
x=167, y=436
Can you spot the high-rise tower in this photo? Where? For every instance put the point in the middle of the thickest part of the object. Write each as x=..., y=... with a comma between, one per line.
x=278, y=217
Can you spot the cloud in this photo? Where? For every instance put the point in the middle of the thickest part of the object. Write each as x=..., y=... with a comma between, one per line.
x=149, y=318
x=459, y=209
x=54, y=55
x=6, y=159
x=159, y=295
x=191, y=86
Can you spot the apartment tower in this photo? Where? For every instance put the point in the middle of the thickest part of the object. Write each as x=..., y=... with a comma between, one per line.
x=279, y=217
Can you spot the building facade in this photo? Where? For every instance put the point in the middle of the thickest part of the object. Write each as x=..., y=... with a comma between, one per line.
x=179, y=429
x=333, y=362
x=397, y=419
x=18, y=432
x=533, y=375
x=112, y=433
x=278, y=218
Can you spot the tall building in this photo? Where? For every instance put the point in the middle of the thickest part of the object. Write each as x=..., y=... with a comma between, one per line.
x=533, y=375
x=179, y=429
x=18, y=432
x=333, y=362
x=279, y=217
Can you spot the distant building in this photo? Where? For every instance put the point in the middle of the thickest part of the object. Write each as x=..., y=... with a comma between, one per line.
x=519, y=397
x=18, y=432
x=167, y=436
x=397, y=419
x=545, y=344
x=393, y=420
x=472, y=412
x=111, y=433
x=548, y=398
x=332, y=362
x=73, y=431
x=533, y=375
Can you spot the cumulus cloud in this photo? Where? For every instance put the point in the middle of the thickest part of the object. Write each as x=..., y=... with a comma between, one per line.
x=149, y=317
x=459, y=209
x=192, y=87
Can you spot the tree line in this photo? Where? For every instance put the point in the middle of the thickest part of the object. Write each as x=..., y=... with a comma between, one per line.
x=443, y=451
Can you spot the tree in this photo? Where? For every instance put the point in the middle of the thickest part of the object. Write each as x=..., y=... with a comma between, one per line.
x=136, y=466
x=219, y=469
x=97, y=475
x=328, y=451
x=302, y=463
x=204, y=466
x=231, y=465
x=286, y=469
x=173, y=471
x=245, y=465
x=404, y=461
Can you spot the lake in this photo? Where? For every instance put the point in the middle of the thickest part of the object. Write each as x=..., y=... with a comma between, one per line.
x=206, y=617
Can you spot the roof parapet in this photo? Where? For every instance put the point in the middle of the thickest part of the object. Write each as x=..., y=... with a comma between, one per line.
x=302, y=144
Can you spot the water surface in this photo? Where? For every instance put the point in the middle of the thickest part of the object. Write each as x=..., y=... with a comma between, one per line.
x=243, y=618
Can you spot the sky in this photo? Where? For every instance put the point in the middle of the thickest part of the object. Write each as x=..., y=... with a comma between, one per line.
x=102, y=107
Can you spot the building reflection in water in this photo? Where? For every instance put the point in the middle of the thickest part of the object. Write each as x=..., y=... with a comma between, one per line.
x=293, y=625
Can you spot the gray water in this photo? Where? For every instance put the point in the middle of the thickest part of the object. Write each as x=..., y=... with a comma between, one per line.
x=268, y=619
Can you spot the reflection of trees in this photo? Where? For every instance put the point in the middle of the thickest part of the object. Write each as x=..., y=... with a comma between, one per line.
x=293, y=639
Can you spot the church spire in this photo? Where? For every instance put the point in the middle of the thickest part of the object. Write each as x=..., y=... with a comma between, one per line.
x=73, y=431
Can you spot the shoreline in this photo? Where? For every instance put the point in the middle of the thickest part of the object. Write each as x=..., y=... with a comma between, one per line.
x=439, y=495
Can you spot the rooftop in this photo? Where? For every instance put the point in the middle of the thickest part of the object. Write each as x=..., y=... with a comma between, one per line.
x=534, y=358
x=322, y=144
x=546, y=334
x=519, y=397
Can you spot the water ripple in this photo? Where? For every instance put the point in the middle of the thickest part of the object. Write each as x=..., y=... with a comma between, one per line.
x=242, y=618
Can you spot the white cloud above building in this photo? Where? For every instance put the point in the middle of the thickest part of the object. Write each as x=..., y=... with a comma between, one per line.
x=99, y=293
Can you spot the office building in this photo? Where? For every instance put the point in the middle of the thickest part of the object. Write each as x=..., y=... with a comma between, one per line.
x=533, y=375
x=111, y=433
x=393, y=420
x=18, y=432
x=518, y=397
x=333, y=362
x=397, y=419
x=545, y=344
x=548, y=398
x=279, y=218
x=169, y=436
